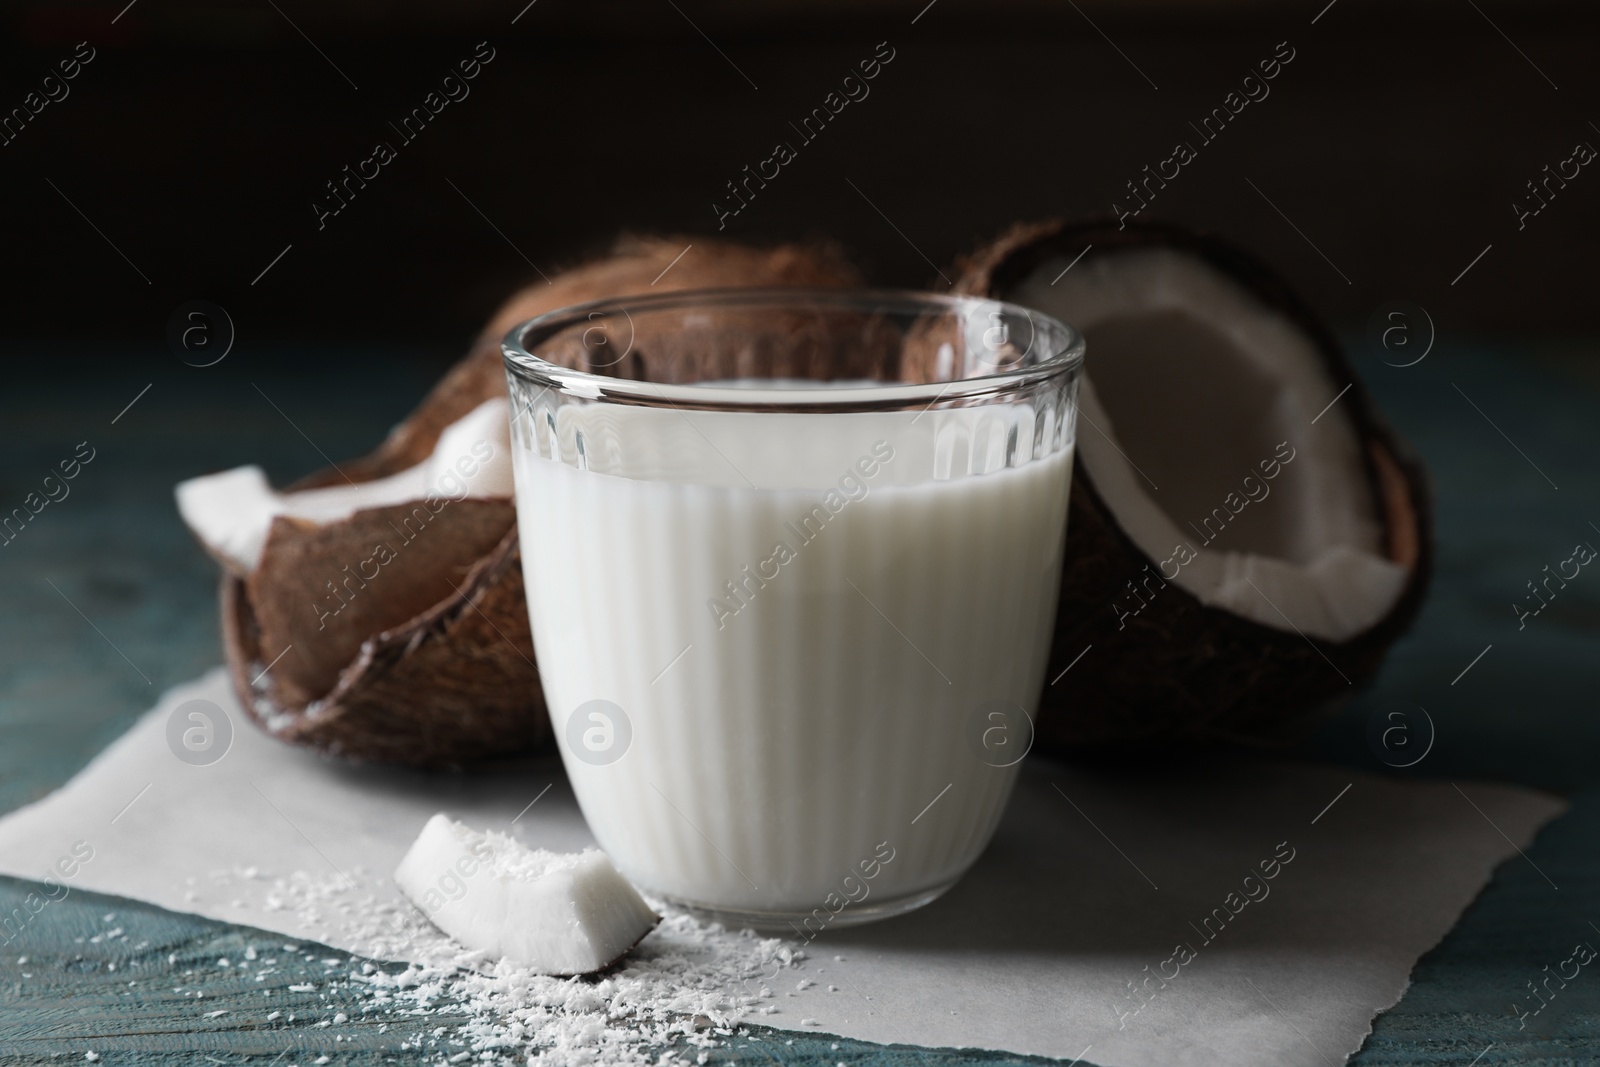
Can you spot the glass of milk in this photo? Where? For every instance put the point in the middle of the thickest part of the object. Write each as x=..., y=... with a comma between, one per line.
x=792, y=560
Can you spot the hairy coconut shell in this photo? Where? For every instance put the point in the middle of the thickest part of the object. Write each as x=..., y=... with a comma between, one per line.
x=423, y=655
x=1179, y=669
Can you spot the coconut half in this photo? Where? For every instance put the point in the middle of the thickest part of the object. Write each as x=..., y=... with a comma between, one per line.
x=1246, y=536
x=376, y=610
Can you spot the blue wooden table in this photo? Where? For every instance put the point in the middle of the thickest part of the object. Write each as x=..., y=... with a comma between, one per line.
x=107, y=602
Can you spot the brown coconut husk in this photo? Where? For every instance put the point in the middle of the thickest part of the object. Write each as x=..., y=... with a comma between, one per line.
x=1179, y=669
x=663, y=345
x=429, y=658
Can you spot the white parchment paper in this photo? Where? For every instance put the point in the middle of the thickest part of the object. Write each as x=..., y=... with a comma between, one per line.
x=1122, y=917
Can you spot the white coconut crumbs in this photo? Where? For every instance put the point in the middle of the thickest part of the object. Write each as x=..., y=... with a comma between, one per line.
x=688, y=986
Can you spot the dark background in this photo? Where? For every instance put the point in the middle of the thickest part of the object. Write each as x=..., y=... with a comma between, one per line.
x=198, y=138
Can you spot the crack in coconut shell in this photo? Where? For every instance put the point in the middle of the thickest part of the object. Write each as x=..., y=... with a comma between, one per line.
x=445, y=673
x=1178, y=668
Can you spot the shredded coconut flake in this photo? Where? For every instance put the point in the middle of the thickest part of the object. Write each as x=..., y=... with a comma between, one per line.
x=682, y=991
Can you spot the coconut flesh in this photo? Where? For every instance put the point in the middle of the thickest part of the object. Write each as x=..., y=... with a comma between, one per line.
x=554, y=913
x=1206, y=429
x=232, y=512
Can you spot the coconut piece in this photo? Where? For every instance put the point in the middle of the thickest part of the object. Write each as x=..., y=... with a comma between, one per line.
x=354, y=559
x=454, y=680
x=1239, y=552
x=554, y=913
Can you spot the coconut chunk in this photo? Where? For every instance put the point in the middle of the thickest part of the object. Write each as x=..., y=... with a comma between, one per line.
x=231, y=512
x=432, y=663
x=552, y=912
x=1194, y=391
x=1247, y=536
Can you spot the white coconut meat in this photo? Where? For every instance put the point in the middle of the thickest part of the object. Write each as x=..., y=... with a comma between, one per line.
x=554, y=913
x=231, y=512
x=1194, y=392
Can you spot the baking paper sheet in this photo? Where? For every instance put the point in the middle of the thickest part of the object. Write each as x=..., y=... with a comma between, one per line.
x=1125, y=918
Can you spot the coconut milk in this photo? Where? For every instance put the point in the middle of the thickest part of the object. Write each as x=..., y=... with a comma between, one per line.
x=767, y=640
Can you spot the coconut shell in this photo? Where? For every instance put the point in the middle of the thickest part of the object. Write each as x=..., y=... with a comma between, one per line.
x=761, y=342
x=1179, y=669
x=424, y=655
x=453, y=684
x=393, y=564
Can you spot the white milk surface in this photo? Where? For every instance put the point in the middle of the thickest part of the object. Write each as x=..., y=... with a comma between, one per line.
x=798, y=621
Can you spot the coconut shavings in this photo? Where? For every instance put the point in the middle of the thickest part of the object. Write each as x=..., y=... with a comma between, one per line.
x=685, y=989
